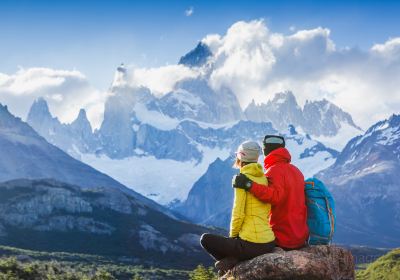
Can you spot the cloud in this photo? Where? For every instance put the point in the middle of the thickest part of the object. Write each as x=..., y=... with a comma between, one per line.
x=255, y=63
x=160, y=80
x=243, y=59
x=65, y=91
x=390, y=50
x=251, y=60
x=189, y=11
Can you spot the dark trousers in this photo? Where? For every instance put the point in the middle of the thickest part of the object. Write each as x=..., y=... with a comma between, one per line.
x=297, y=248
x=220, y=247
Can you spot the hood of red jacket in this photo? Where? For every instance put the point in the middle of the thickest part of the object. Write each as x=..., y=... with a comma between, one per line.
x=277, y=156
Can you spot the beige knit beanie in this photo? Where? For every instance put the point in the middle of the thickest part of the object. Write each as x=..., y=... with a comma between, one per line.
x=248, y=151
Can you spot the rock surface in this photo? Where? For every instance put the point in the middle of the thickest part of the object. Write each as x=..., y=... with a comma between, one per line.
x=311, y=263
x=47, y=215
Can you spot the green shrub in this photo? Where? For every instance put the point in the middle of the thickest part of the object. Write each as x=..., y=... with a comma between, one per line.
x=386, y=267
x=201, y=273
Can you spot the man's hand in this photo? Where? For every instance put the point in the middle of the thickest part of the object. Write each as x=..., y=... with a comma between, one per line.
x=241, y=181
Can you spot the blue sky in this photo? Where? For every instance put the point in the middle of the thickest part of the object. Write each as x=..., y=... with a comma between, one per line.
x=95, y=36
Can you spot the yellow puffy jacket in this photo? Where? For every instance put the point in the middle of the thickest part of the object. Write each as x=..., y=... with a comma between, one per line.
x=250, y=216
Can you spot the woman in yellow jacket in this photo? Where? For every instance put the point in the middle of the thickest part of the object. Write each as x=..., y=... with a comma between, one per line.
x=250, y=232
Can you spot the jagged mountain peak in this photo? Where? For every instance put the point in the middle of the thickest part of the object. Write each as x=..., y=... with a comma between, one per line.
x=392, y=122
x=82, y=114
x=317, y=118
x=81, y=122
x=322, y=105
x=121, y=68
x=363, y=178
x=196, y=57
x=281, y=111
x=39, y=110
x=82, y=117
x=284, y=97
x=384, y=133
x=4, y=113
x=120, y=76
x=252, y=103
x=11, y=125
x=3, y=108
x=372, y=152
x=194, y=98
x=69, y=137
x=328, y=114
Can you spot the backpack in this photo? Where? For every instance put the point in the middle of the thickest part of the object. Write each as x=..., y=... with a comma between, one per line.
x=321, y=215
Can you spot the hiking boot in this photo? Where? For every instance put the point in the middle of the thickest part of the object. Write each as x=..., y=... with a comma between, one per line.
x=220, y=273
x=226, y=264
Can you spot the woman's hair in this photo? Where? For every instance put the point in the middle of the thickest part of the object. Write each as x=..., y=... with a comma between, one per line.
x=238, y=163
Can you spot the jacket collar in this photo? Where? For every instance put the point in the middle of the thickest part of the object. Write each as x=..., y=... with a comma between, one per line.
x=253, y=169
x=280, y=155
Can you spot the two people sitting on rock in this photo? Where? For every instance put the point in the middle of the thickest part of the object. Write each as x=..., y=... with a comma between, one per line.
x=274, y=201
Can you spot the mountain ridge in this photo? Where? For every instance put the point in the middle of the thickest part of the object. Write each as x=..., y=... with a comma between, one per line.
x=364, y=182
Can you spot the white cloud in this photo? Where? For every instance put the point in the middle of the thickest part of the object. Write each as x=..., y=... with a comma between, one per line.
x=189, y=11
x=65, y=91
x=253, y=62
x=160, y=80
x=243, y=59
x=390, y=50
x=256, y=63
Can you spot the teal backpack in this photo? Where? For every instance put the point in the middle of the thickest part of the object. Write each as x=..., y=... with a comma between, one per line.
x=321, y=215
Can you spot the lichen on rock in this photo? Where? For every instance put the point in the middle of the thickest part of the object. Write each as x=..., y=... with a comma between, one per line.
x=310, y=263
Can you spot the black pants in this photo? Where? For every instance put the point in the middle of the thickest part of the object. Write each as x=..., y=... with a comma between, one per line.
x=220, y=247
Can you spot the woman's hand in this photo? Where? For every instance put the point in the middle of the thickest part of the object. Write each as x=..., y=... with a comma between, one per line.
x=241, y=181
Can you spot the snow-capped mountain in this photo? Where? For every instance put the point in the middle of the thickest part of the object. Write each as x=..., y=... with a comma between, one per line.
x=323, y=118
x=178, y=134
x=210, y=199
x=132, y=150
x=375, y=151
x=74, y=137
x=196, y=57
x=133, y=145
x=25, y=154
x=195, y=99
x=179, y=155
x=281, y=111
x=317, y=118
x=364, y=181
x=48, y=195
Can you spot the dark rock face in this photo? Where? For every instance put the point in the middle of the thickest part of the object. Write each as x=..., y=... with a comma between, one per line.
x=311, y=263
x=196, y=57
x=210, y=199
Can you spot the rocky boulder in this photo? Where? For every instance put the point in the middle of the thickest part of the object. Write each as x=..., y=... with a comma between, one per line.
x=311, y=263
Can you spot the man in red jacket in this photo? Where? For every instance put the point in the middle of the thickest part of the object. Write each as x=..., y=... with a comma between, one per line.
x=285, y=192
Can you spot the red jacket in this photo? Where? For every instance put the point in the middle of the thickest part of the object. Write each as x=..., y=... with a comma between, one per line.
x=285, y=192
